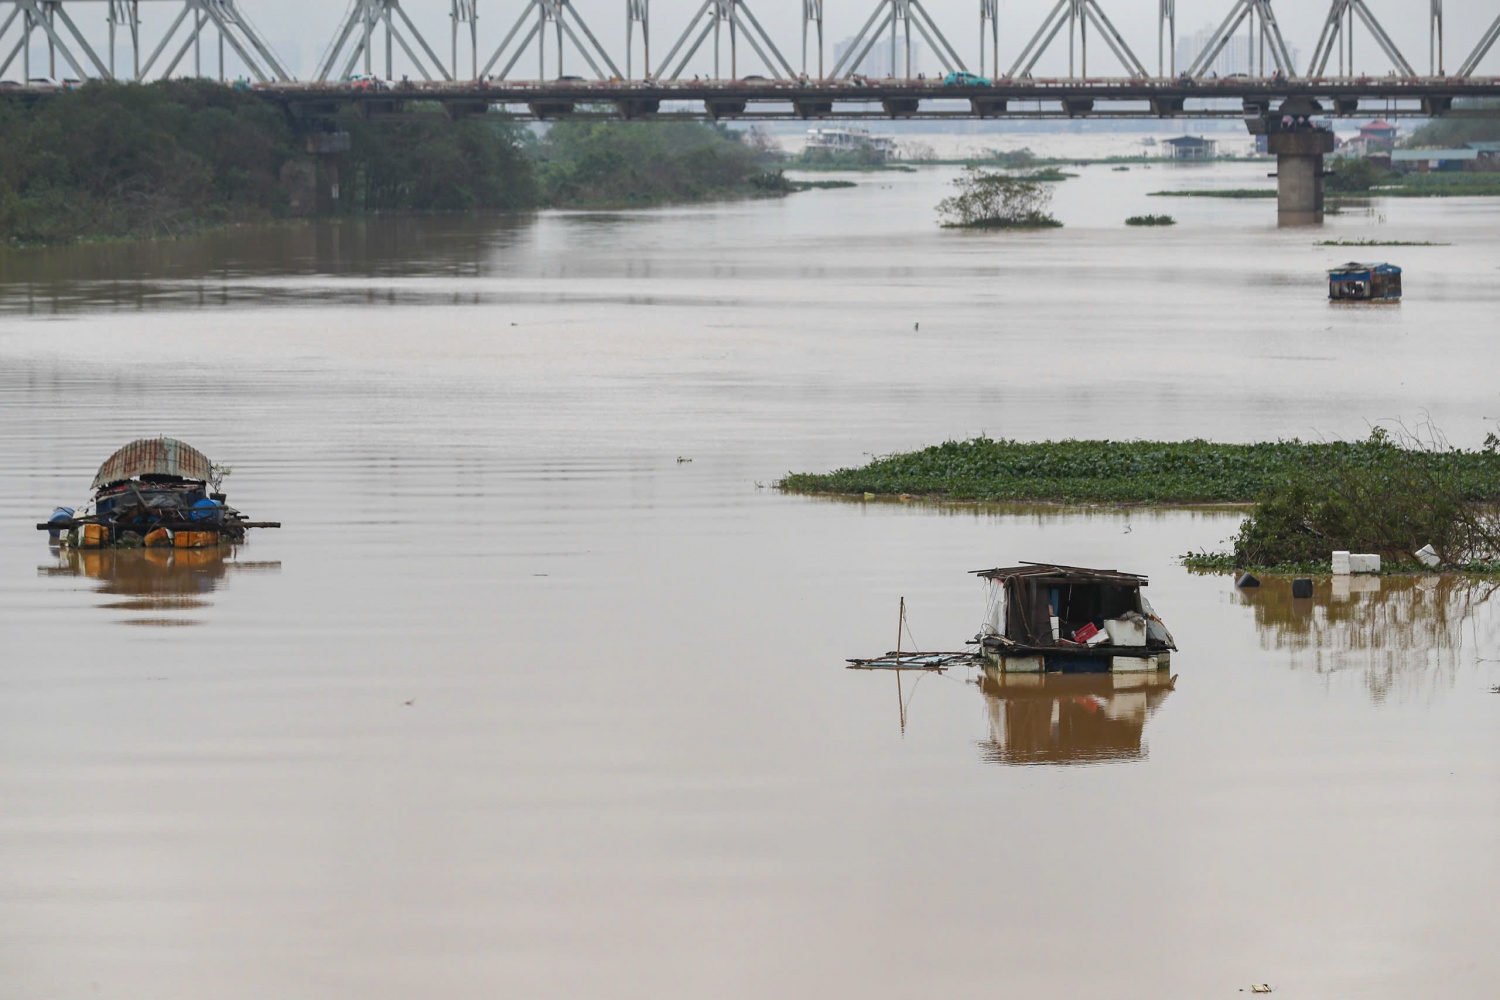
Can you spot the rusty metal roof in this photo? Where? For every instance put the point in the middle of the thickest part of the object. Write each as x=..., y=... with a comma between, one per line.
x=1077, y=574
x=162, y=456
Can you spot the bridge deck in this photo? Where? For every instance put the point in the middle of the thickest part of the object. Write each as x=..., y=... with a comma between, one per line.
x=765, y=99
x=854, y=99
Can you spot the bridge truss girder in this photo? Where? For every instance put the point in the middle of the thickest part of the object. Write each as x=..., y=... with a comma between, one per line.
x=1338, y=30
x=195, y=21
x=357, y=36
x=1269, y=34
x=731, y=17
x=989, y=29
x=1486, y=42
x=900, y=17
x=1076, y=16
x=1166, y=38
x=567, y=23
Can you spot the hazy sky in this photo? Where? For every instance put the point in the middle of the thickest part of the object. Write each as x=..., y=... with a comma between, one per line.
x=300, y=30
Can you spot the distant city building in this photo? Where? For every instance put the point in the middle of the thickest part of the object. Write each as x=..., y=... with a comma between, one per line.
x=1190, y=147
x=1233, y=58
x=877, y=62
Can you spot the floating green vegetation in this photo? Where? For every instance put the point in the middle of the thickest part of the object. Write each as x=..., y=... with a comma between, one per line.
x=1442, y=185
x=821, y=185
x=1152, y=472
x=1380, y=243
x=1047, y=174
x=1217, y=193
x=1150, y=220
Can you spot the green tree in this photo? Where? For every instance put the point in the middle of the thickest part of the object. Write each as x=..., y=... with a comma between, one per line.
x=990, y=200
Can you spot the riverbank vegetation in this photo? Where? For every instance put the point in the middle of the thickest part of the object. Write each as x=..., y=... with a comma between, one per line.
x=1135, y=472
x=990, y=200
x=627, y=164
x=1455, y=132
x=173, y=157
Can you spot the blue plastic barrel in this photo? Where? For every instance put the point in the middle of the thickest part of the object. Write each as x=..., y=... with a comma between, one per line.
x=205, y=510
x=58, y=514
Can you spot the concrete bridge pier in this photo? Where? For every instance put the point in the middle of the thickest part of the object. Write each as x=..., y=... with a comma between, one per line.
x=1299, y=174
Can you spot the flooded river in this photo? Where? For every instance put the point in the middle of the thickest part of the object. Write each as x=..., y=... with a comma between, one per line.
x=540, y=690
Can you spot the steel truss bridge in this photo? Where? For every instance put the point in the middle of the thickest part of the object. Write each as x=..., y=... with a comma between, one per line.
x=44, y=40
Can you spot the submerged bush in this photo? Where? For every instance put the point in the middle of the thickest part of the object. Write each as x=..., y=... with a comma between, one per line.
x=989, y=200
x=1150, y=220
x=1391, y=496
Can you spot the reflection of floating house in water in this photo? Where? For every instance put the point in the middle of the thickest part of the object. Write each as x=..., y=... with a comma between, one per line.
x=1402, y=635
x=1069, y=718
x=154, y=580
x=1046, y=618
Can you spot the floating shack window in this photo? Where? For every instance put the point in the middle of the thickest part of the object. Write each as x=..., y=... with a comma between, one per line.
x=1356, y=282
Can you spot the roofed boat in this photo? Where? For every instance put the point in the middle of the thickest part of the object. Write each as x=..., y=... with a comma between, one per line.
x=1356, y=282
x=154, y=492
x=1043, y=617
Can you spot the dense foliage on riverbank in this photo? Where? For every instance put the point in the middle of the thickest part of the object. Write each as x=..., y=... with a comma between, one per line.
x=600, y=163
x=1129, y=471
x=125, y=160
x=1451, y=133
x=158, y=160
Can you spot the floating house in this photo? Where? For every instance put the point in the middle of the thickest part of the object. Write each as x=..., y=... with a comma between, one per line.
x=1190, y=147
x=1044, y=618
x=154, y=492
x=1356, y=282
x=850, y=140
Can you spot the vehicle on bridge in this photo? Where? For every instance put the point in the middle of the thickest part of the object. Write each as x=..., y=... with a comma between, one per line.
x=1356, y=282
x=959, y=78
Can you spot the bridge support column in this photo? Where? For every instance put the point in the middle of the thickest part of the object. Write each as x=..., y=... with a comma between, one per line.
x=326, y=149
x=1299, y=175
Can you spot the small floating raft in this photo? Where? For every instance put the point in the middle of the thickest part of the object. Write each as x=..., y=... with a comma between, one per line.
x=153, y=492
x=937, y=662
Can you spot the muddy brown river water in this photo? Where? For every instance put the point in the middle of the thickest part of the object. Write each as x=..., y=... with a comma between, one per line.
x=520, y=704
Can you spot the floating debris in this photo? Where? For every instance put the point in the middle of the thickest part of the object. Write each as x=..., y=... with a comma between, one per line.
x=156, y=493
